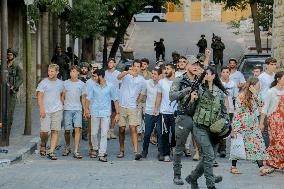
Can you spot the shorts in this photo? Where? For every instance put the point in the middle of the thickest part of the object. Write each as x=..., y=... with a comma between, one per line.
x=51, y=122
x=72, y=119
x=127, y=114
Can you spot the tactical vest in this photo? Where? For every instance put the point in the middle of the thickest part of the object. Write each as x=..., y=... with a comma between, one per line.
x=208, y=109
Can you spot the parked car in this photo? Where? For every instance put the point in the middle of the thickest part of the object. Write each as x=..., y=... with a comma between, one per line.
x=249, y=61
x=149, y=14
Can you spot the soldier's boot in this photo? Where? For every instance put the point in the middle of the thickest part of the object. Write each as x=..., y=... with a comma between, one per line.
x=111, y=134
x=177, y=180
x=192, y=182
x=44, y=139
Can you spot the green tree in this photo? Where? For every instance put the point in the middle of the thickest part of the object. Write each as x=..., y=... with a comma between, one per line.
x=122, y=12
x=87, y=20
x=242, y=4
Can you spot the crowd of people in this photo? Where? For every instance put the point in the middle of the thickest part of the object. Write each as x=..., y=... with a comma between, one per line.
x=178, y=105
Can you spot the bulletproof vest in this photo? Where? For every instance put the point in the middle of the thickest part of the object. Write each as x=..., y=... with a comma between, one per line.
x=218, y=45
x=208, y=109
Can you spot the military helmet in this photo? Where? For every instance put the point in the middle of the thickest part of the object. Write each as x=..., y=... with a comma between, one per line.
x=202, y=35
x=13, y=51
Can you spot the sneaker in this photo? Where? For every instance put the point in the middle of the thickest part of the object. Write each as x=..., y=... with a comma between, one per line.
x=167, y=159
x=222, y=154
x=178, y=181
x=193, y=183
x=215, y=164
x=103, y=159
x=144, y=154
x=137, y=156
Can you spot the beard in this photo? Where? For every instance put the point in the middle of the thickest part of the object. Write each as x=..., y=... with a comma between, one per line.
x=168, y=75
x=84, y=72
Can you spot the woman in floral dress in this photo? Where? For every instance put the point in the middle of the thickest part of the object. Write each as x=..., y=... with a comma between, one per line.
x=274, y=109
x=246, y=123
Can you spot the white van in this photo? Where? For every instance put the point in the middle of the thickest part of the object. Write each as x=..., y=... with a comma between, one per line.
x=148, y=14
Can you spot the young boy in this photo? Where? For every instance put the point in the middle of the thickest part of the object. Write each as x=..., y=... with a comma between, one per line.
x=74, y=96
x=49, y=92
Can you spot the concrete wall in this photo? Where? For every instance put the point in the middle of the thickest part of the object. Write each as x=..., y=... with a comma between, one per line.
x=278, y=33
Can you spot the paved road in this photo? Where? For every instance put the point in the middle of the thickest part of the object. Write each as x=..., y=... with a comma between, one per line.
x=183, y=38
x=37, y=172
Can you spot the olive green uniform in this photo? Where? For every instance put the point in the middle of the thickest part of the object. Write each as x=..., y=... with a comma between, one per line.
x=218, y=48
x=210, y=107
x=15, y=80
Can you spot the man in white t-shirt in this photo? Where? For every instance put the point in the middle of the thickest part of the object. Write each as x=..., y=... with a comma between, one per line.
x=74, y=96
x=181, y=64
x=49, y=92
x=265, y=80
x=151, y=120
x=236, y=76
x=167, y=109
x=111, y=76
x=232, y=90
x=131, y=88
x=267, y=77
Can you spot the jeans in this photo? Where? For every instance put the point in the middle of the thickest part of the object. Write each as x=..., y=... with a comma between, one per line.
x=167, y=127
x=265, y=134
x=205, y=166
x=150, y=122
x=103, y=123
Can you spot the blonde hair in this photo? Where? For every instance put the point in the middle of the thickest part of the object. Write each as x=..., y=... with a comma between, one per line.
x=53, y=66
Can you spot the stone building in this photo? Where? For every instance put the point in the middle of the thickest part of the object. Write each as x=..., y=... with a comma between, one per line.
x=278, y=33
x=202, y=10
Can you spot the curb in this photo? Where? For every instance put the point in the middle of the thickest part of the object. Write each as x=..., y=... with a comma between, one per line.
x=22, y=153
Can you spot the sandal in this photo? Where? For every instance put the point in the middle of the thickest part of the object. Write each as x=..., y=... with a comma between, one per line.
x=93, y=153
x=67, y=152
x=52, y=156
x=42, y=151
x=265, y=171
x=234, y=170
x=102, y=159
x=120, y=154
x=77, y=155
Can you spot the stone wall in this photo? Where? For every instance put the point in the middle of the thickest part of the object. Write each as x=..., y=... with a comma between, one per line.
x=278, y=32
x=211, y=11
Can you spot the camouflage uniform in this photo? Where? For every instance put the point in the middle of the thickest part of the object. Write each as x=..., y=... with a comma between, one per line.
x=210, y=107
x=15, y=80
x=180, y=91
x=218, y=48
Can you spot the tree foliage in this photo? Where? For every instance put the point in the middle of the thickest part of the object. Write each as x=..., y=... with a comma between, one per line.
x=88, y=18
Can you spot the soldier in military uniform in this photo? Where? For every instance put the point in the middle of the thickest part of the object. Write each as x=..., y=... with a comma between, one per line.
x=62, y=60
x=209, y=109
x=180, y=91
x=218, y=49
x=160, y=49
x=15, y=80
x=202, y=44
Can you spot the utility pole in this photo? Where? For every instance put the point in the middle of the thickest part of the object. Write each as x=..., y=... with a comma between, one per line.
x=29, y=104
x=4, y=140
